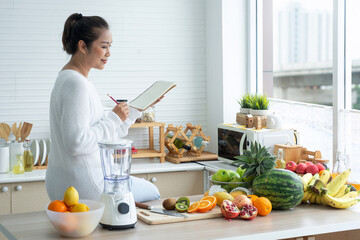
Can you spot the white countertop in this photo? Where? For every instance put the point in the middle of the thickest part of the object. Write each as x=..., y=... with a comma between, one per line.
x=303, y=220
x=139, y=166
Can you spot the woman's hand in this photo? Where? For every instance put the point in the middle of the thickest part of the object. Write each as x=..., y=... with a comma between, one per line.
x=157, y=101
x=122, y=110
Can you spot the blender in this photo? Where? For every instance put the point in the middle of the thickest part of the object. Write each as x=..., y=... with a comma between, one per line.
x=120, y=210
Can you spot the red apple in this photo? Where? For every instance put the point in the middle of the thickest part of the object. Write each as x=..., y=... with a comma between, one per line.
x=320, y=166
x=313, y=169
x=301, y=168
x=291, y=166
x=309, y=163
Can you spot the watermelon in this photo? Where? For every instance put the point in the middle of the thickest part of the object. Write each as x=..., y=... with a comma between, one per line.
x=282, y=187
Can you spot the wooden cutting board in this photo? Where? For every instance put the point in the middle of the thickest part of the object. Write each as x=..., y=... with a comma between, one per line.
x=154, y=218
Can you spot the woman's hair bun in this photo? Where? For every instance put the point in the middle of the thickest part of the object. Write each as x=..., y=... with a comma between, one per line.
x=78, y=27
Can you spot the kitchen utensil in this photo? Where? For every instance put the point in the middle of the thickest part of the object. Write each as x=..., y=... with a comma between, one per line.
x=158, y=210
x=18, y=132
x=120, y=210
x=4, y=159
x=25, y=131
x=35, y=149
x=43, y=151
x=3, y=133
x=7, y=130
x=13, y=129
x=152, y=218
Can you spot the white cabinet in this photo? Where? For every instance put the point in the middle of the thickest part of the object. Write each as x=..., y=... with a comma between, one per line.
x=176, y=184
x=23, y=197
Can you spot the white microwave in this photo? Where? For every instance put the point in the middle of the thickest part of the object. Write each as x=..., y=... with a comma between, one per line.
x=233, y=139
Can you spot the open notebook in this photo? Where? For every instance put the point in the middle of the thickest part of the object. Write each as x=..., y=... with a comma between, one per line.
x=150, y=95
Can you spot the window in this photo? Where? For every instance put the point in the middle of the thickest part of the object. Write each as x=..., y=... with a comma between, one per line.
x=302, y=51
x=315, y=85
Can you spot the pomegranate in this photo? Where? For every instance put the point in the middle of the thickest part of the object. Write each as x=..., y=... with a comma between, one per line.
x=229, y=210
x=248, y=212
x=241, y=200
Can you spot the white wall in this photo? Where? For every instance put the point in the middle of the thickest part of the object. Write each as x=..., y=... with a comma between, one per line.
x=226, y=61
x=153, y=40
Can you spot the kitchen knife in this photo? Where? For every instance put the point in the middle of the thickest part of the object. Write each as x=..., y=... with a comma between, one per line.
x=158, y=210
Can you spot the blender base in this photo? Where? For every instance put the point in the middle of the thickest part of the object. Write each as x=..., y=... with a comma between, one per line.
x=120, y=227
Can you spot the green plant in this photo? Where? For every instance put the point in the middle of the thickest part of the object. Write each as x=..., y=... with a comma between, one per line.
x=256, y=161
x=259, y=102
x=245, y=101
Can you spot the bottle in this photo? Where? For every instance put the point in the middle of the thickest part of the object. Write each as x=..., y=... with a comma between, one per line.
x=280, y=162
x=179, y=143
x=28, y=157
x=199, y=142
x=19, y=165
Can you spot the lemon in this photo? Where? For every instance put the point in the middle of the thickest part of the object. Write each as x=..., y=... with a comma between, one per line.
x=80, y=207
x=71, y=196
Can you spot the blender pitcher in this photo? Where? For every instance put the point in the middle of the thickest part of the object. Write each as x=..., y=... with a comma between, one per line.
x=120, y=210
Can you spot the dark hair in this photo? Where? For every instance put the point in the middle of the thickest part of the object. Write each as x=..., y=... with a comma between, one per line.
x=78, y=27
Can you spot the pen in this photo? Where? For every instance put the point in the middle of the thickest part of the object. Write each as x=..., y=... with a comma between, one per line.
x=113, y=99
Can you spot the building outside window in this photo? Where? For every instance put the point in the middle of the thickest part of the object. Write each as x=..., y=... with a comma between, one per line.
x=304, y=63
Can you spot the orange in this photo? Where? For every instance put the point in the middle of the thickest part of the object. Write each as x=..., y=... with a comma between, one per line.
x=57, y=206
x=206, y=193
x=212, y=199
x=253, y=198
x=194, y=207
x=321, y=172
x=263, y=205
x=204, y=206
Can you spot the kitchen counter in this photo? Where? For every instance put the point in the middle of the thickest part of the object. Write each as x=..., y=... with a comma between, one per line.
x=304, y=220
x=139, y=166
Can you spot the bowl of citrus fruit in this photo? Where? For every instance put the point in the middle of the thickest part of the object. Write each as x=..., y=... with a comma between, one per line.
x=74, y=217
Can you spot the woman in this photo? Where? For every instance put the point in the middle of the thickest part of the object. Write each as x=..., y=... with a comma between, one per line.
x=77, y=118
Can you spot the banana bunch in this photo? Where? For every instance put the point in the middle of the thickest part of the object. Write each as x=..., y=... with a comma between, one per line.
x=322, y=190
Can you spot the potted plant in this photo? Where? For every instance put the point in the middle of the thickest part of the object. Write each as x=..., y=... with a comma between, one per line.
x=259, y=105
x=245, y=103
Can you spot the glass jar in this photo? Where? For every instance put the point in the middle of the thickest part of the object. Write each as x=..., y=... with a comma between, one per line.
x=148, y=115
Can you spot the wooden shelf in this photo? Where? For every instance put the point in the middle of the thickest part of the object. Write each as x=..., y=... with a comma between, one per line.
x=148, y=153
x=151, y=152
x=147, y=124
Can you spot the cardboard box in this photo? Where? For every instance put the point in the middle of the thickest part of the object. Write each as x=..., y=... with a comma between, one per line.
x=291, y=152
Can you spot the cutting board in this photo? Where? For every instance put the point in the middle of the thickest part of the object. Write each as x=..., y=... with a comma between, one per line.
x=154, y=218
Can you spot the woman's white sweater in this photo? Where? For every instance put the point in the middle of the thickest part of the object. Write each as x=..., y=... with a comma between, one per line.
x=77, y=123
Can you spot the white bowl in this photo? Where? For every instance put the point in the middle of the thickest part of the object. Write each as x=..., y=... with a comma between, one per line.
x=79, y=224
